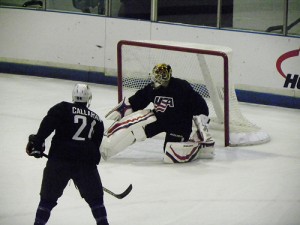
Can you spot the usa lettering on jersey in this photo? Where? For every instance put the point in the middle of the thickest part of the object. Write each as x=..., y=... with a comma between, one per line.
x=161, y=103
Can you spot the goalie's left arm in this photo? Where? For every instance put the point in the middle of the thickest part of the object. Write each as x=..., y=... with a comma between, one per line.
x=139, y=101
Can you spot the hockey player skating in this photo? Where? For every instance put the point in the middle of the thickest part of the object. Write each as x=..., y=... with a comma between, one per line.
x=176, y=107
x=74, y=154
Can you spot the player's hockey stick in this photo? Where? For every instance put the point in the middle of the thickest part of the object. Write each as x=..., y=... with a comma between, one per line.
x=118, y=196
x=121, y=195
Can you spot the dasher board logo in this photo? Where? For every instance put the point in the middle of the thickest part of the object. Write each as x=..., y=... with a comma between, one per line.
x=292, y=80
x=161, y=103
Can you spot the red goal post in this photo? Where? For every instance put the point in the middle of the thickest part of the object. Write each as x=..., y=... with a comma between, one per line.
x=135, y=59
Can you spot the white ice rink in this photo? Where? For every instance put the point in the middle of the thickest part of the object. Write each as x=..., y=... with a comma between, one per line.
x=256, y=185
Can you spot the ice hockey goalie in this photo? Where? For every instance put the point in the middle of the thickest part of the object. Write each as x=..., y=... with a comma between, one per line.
x=175, y=106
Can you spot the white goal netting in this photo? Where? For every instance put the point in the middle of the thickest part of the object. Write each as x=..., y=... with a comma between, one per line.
x=206, y=67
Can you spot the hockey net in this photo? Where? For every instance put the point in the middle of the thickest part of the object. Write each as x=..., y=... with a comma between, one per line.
x=207, y=68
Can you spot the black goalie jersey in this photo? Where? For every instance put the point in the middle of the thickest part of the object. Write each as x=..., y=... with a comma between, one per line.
x=78, y=132
x=174, y=105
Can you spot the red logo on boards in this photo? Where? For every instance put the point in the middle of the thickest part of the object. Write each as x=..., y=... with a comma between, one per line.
x=291, y=80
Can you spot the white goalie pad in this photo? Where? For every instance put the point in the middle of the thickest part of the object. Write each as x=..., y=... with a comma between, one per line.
x=182, y=152
x=201, y=123
x=125, y=132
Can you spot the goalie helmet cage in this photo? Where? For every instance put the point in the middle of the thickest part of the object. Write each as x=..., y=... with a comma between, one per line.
x=206, y=67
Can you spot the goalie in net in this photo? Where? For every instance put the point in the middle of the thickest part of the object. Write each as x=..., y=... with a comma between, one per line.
x=176, y=107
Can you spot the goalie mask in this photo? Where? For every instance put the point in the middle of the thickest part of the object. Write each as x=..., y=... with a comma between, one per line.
x=82, y=93
x=161, y=75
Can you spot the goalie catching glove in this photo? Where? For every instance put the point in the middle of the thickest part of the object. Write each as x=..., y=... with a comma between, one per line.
x=35, y=147
x=121, y=110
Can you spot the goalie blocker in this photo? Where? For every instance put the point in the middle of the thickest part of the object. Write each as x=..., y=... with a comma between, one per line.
x=130, y=129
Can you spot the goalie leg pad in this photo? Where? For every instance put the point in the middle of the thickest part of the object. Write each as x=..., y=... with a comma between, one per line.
x=139, y=133
x=125, y=132
x=201, y=123
x=132, y=122
x=206, y=150
x=114, y=144
x=182, y=152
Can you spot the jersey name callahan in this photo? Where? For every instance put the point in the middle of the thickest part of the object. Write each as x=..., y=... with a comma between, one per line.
x=161, y=103
x=85, y=112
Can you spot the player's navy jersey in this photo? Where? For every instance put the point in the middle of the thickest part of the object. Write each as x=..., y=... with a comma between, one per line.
x=78, y=132
x=174, y=105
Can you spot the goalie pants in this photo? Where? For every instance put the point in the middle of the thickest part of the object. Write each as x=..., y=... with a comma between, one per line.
x=86, y=178
x=155, y=128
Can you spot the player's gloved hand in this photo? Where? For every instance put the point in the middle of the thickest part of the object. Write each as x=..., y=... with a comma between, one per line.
x=121, y=110
x=35, y=147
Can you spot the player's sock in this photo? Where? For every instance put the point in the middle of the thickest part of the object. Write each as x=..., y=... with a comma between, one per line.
x=43, y=212
x=99, y=213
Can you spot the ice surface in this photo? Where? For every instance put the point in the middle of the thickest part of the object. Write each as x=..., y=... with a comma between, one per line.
x=255, y=185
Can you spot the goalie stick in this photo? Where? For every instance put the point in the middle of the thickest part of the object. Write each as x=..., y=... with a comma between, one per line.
x=118, y=196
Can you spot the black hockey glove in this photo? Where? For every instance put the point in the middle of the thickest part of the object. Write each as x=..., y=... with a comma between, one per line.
x=35, y=146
